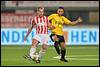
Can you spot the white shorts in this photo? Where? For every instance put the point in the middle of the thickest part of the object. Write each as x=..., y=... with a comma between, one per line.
x=42, y=38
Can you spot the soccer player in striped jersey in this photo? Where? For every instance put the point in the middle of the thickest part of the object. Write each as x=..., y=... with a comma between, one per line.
x=40, y=22
x=57, y=20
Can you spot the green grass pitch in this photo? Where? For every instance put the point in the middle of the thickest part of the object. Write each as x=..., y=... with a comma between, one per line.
x=76, y=55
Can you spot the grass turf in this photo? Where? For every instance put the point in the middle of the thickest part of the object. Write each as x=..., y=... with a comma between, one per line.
x=76, y=55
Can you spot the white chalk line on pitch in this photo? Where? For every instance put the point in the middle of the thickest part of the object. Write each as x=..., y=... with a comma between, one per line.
x=78, y=56
x=75, y=57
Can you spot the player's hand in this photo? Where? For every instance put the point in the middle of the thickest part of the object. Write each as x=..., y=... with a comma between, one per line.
x=79, y=19
x=53, y=27
x=24, y=39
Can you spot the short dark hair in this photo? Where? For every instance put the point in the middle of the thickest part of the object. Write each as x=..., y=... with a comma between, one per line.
x=40, y=8
x=61, y=7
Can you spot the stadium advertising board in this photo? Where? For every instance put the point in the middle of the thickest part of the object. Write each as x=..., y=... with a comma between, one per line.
x=73, y=36
x=15, y=17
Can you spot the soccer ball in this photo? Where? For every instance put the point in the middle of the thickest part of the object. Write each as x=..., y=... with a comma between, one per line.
x=37, y=58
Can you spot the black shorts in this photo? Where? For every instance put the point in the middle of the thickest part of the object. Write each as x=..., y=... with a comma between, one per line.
x=61, y=38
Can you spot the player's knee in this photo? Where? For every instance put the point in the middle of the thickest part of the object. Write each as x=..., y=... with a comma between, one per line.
x=62, y=45
x=44, y=46
x=34, y=42
x=55, y=38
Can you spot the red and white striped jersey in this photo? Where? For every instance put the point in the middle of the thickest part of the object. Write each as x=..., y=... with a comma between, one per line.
x=41, y=24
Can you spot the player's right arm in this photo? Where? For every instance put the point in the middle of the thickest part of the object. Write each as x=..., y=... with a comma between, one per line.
x=29, y=30
x=67, y=21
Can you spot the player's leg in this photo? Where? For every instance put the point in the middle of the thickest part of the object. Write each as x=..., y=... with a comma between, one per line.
x=33, y=47
x=63, y=48
x=31, y=55
x=54, y=38
x=35, y=42
x=42, y=51
x=56, y=45
x=44, y=40
x=63, y=52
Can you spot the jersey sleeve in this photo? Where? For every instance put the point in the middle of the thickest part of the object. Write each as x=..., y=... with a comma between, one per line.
x=66, y=21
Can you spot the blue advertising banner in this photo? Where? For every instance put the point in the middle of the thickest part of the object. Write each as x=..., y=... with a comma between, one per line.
x=15, y=36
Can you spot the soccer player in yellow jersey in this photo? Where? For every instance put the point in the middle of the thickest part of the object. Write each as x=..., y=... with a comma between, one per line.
x=57, y=20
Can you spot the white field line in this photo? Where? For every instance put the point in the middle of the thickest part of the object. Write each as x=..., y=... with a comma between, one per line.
x=58, y=57
x=74, y=57
x=78, y=56
x=24, y=60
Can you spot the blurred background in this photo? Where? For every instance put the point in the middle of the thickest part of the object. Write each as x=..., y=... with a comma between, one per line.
x=19, y=13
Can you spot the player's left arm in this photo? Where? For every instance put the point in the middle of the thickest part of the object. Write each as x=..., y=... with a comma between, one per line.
x=67, y=21
x=77, y=21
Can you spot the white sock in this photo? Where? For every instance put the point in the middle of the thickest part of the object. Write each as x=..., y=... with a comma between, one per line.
x=32, y=51
x=41, y=53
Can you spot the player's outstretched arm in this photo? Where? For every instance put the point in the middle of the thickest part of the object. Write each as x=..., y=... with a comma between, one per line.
x=77, y=21
x=29, y=30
